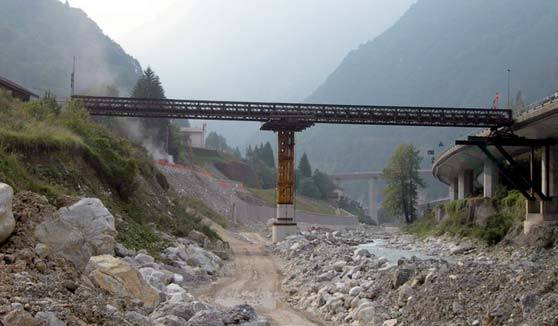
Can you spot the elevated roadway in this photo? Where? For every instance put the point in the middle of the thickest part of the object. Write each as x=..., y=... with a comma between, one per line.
x=372, y=178
x=466, y=167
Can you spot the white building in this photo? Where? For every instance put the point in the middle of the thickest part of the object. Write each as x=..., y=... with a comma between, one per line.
x=196, y=136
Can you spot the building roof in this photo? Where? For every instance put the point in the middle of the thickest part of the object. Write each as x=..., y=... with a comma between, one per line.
x=6, y=83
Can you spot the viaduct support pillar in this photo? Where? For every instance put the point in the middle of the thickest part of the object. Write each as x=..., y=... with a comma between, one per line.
x=465, y=183
x=541, y=212
x=284, y=224
x=490, y=179
x=373, y=200
x=453, y=189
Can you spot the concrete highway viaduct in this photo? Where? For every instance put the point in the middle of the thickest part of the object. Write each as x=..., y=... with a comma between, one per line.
x=372, y=177
x=483, y=160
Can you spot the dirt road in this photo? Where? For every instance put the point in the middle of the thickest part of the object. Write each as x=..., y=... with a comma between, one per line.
x=255, y=281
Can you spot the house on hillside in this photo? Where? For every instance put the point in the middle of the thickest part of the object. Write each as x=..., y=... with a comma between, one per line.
x=17, y=91
x=196, y=136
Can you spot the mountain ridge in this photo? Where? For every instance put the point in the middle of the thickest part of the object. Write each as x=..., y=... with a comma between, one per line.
x=40, y=38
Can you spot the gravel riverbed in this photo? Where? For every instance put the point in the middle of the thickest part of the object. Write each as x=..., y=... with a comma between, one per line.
x=409, y=281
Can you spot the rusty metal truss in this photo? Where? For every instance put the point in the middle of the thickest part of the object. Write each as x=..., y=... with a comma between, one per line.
x=299, y=115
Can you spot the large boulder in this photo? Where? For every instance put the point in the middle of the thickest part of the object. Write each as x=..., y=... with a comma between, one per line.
x=80, y=231
x=120, y=279
x=208, y=261
x=20, y=317
x=7, y=221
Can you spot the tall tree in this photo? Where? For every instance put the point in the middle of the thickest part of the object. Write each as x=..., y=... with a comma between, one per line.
x=149, y=86
x=304, y=167
x=267, y=155
x=402, y=182
x=324, y=184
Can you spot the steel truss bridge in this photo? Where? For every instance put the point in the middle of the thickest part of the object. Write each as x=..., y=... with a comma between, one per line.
x=301, y=113
x=288, y=118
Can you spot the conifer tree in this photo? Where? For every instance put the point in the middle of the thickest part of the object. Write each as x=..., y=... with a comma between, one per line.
x=304, y=167
x=267, y=155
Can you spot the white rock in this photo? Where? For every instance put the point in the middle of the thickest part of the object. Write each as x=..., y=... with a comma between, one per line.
x=143, y=259
x=355, y=291
x=177, y=278
x=338, y=266
x=80, y=231
x=7, y=221
x=49, y=318
x=391, y=322
x=327, y=276
x=362, y=252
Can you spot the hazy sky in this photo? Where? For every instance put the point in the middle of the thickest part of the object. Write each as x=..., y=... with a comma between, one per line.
x=120, y=17
x=254, y=50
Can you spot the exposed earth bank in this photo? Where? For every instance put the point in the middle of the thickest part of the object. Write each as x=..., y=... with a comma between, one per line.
x=327, y=273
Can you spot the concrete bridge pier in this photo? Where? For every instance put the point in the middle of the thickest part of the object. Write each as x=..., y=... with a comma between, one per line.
x=465, y=183
x=490, y=178
x=373, y=199
x=542, y=212
x=453, y=189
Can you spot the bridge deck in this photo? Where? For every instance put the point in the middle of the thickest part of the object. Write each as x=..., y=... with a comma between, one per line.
x=300, y=112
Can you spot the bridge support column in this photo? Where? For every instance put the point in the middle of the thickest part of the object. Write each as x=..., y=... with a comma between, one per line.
x=453, y=189
x=285, y=225
x=490, y=178
x=465, y=184
x=373, y=200
x=541, y=212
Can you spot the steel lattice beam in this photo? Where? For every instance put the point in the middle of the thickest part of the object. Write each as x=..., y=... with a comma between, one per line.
x=303, y=113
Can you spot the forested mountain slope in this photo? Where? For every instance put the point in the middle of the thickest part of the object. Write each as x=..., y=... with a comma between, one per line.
x=441, y=52
x=39, y=38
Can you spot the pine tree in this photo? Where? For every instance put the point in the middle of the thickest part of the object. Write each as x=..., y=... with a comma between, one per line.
x=402, y=182
x=149, y=86
x=304, y=167
x=267, y=155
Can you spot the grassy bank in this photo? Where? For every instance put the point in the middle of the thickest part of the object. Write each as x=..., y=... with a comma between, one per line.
x=60, y=153
x=510, y=209
x=302, y=203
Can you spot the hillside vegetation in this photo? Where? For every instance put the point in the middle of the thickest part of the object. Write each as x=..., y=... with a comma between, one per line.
x=458, y=222
x=453, y=53
x=40, y=38
x=60, y=153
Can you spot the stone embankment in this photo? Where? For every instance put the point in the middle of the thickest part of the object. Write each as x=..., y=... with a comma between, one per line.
x=329, y=274
x=64, y=267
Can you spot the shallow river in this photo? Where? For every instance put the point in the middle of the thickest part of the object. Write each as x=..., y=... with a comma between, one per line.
x=378, y=248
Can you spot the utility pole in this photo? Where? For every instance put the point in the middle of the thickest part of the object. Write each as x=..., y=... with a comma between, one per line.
x=73, y=78
x=509, y=89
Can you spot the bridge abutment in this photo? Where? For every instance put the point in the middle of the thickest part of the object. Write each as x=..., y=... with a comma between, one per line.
x=543, y=212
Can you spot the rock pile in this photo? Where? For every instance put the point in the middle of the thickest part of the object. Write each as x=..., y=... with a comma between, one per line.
x=326, y=274
x=59, y=268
